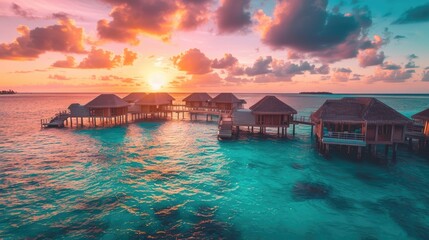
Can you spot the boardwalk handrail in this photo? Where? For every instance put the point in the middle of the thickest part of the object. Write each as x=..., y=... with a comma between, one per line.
x=344, y=136
x=196, y=109
x=305, y=119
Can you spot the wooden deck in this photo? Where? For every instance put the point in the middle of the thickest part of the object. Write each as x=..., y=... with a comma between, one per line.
x=55, y=122
x=342, y=138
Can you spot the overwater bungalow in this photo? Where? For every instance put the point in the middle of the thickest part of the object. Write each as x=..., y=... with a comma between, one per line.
x=423, y=118
x=108, y=107
x=359, y=122
x=269, y=112
x=155, y=102
x=134, y=97
x=227, y=101
x=198, y=100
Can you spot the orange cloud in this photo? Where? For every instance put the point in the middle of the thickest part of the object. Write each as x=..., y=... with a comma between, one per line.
x=68, y=63
x=61, y=37
x=193, y=61
x=129, y=57
x=99, y=58
x=155, y=18
x=59, y=77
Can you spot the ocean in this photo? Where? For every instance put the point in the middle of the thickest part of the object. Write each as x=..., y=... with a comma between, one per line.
x=174, y=179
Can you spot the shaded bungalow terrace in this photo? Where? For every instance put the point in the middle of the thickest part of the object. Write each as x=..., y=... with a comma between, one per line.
x=420, y=130
x=227, y=101
x=358, y=122
x=423, y=118
x=108, y=107
x=198, y=100
x=269, y=112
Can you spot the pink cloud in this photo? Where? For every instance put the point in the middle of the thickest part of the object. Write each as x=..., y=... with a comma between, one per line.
x=233, y=16
x=62, y=37
x=390, y=73
x=99, y=58
x=306, y=26
x=226, y=62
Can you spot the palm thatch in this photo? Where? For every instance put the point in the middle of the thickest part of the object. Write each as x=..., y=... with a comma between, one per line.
x=107, y=101
x=156, y=99
x=134, y=97
x=370, y=110
x=423, y=115
x=226, y=98
x=273, y=106
x=77, y=110
x=197, y=97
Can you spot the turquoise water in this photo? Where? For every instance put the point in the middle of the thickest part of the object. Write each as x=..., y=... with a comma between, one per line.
x=174, y=179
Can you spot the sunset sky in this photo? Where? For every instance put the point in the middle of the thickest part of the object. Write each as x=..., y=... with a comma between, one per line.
x=349, y=46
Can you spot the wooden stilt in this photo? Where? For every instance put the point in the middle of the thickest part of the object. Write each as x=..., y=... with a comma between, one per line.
x=359, y=153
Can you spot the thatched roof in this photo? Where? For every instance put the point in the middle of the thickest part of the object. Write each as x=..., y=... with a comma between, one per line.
x=197, y=97
x=272, y=105
x=107, y=101
x=423, y=115
x=155, y=99
x=226, y=98
x=77, y=110
x=369, y=110
x=134, y=97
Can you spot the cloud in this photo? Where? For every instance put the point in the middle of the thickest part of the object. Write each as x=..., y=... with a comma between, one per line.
x=390, y=73
x=341, y=75
x=370, y=57
x=281, y=68
x=233, y=16
x=193, y=61
x=306, y=26
x=414, y=15
x=129, y=57
x=59, y=77
x=226, y=62
x=390, y=66
x=411, y=64
x=116, y=78
x=425, y=77
x=19, y=11
x=194, y=13
x=324, y=69
x=368, y=53
x=62, y=37
x=99, y=58
x=149, y=17
x=68, y=63
x=399, y=37
x=261, y=66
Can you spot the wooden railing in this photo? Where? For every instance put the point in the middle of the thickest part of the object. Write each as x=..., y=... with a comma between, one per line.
x=196, y=109
x=345, y=136
x=305, y=119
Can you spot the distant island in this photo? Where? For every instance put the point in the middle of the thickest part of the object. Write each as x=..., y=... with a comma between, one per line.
x=7, y=92
x=315, y=93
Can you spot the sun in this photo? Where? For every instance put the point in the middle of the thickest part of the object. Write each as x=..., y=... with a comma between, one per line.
x=157, y=80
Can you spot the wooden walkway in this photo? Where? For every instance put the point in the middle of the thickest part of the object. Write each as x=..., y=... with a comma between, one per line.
x=57, y=121
x=60, y=118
